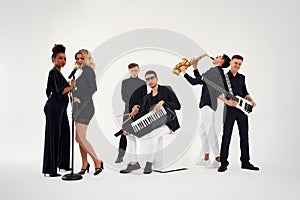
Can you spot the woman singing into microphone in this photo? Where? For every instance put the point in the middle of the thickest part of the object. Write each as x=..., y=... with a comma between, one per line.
x=84, y=108
x=57, y=133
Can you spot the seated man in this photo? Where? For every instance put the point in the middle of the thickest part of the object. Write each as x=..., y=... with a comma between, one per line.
x=159, y=96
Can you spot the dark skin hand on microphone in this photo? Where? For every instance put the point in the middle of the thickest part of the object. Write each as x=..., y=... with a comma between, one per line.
x=73, y=82
x=72, y=85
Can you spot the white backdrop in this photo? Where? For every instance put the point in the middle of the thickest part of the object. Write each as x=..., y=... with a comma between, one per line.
x=264, y=32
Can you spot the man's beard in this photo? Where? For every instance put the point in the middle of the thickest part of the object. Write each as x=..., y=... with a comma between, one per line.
x=153, y=86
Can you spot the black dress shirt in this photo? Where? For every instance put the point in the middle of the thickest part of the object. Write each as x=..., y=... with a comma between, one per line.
x=238, y=84
x=171, y=101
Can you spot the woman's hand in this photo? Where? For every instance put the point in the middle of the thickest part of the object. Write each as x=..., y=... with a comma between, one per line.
x=76, y=100
x=73, y=82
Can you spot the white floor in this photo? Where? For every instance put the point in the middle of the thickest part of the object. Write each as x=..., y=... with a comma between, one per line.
x=19, y=181
x=266, y=33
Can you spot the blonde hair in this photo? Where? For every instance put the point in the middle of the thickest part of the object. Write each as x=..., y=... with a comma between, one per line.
x=88, y=59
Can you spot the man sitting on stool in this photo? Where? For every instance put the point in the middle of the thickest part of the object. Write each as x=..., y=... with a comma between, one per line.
x=160, y=96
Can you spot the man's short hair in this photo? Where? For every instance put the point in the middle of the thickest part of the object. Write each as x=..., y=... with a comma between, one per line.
x=226, y=62
x=151, y=72
x=237, y=57
x=132, y=65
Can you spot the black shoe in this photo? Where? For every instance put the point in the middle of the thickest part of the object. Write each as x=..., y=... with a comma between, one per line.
x=120, y=156
x=52, y=175
x=99, y=170
x=249, y=166
x=222, y=168
x=119, y=160
x=130, y=168
x=87, y=169
x=65, y=169
x=148, y=168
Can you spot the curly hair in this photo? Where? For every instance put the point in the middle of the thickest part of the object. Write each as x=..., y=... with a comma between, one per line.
x=58, y=48
x=88, y=59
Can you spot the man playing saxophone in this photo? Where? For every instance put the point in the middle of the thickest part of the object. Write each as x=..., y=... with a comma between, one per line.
x=208, y=106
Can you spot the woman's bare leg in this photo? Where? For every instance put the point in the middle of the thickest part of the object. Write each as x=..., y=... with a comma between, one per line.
x=82, y=152
x=85, y=144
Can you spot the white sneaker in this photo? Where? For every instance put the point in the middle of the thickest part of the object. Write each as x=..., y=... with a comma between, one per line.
x=212, y=165
x=203, y=162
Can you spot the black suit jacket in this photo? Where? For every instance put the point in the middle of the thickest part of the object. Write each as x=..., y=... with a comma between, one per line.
x=168, y=96
x=209, y=95
x=137, y=98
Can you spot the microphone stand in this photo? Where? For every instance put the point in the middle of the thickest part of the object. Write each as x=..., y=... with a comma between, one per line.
x=72, y=176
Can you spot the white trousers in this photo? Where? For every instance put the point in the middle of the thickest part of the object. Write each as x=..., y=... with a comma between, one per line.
x=146, y=146
x=208, y=133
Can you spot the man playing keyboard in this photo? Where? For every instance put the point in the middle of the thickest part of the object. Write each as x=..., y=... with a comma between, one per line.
x=160, y=96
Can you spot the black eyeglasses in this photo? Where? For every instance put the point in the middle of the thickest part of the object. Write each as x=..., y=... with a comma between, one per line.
x=150, y=78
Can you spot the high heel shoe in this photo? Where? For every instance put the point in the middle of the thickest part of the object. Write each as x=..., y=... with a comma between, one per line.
x=87, y=169
x=99, y=170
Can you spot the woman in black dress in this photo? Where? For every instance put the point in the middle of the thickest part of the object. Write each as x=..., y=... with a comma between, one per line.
x=57, y=134
x=84, y=108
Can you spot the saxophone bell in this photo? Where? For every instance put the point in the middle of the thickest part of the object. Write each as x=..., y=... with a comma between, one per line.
x=187, y=63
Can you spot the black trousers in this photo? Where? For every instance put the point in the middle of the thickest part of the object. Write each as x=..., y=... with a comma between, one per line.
x=123, y=143
x=57, y=138
x=64, y=143
x=123, y=139
x=232, y=115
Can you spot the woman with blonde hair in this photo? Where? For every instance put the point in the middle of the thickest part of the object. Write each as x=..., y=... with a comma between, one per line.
x=84, y=108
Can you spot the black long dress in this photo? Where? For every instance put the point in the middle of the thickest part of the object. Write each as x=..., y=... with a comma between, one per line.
x=57, y=133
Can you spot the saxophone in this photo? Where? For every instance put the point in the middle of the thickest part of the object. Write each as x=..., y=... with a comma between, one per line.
x=185, y=62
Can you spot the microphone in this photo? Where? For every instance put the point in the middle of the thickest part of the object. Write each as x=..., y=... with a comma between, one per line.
x=212, y=58
x=73, y=72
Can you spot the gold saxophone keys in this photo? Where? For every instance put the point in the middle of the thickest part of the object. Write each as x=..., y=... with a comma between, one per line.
x=186, y=63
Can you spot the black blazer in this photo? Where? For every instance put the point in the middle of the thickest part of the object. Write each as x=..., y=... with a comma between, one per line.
x=168, y=96
x=137, y=98
x=209, y=96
